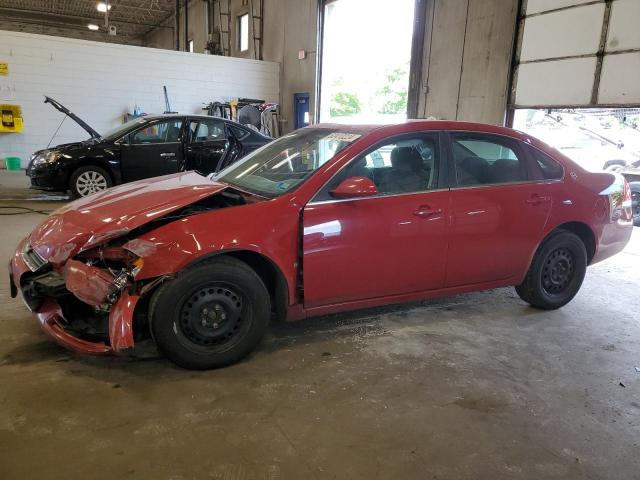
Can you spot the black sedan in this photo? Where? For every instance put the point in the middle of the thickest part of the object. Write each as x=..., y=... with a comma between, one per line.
x=145, y=147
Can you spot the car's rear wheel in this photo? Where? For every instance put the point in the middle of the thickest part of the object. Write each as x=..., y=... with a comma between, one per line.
x=556, y=272
x=211, y=315
x=89, y=180
x=635, y=206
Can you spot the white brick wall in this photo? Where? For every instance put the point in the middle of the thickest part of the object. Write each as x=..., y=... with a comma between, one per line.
x=99, y=82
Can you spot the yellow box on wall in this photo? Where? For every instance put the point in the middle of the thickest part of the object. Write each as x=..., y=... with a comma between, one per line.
x=11, y=119
x=4, y=68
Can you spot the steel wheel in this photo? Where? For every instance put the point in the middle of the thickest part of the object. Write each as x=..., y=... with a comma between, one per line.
x=90, y=182
x=558, y=271
x=635, y=206
x=212, y=318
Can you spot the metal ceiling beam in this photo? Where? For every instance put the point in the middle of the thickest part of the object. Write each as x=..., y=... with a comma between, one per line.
x=18, y=13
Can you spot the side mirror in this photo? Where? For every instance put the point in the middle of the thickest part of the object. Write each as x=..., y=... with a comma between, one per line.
x=355, y=187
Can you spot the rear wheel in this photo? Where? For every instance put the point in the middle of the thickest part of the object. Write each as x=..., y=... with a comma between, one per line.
x=89, y=180
x=635, y=206
x=556, y=273
x=211, y=315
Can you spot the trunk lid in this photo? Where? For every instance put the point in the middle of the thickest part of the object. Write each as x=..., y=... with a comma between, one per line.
x=93, y=220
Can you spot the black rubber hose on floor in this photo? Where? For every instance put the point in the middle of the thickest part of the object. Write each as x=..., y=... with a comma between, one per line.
x=23, y=210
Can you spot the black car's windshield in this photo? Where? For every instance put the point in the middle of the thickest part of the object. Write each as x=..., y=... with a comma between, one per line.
x=120, y=130
x=282, y=165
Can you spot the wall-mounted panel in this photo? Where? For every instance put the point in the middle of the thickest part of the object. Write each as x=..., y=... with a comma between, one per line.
x=100, y=82
x=620, y=80
x=624, y=25
x=537, y=6
x=558, y=82
x=571, y=32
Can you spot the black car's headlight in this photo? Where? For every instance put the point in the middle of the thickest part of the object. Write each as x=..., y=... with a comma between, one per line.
x=46, y=157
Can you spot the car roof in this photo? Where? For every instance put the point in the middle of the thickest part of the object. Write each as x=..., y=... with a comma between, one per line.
x=417, y=125
x=189, y=115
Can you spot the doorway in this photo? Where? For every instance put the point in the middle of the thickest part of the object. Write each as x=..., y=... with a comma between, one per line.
x=366, y=52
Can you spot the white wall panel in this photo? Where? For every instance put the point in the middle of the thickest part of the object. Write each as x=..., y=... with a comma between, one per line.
x=624, y=25
x=558, y=82
x=537, y=6
x=620, y=79
x=561, y=34
x=100, y=82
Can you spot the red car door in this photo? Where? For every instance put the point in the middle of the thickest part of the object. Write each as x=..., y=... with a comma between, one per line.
x=498, y=210
x=388, y=244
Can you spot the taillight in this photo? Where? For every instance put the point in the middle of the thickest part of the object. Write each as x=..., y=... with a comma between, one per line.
x=619, y=194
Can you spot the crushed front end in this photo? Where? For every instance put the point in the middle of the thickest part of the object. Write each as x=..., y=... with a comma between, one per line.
x=87, y=303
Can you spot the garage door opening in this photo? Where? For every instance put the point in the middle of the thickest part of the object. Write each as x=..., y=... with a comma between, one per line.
x=596, y=138
x=366, y=50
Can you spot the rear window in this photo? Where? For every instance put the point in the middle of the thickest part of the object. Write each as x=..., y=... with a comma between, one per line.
x=550, y=169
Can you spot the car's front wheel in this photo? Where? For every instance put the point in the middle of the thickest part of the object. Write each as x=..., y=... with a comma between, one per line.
x=556, y=272
x=211, y=315
x=89, y=180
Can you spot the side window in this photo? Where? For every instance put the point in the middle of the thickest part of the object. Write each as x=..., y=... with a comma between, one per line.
x=207, y=130
x=486, y=159
x=551, y=170
x=166, y=131
x=405, y=165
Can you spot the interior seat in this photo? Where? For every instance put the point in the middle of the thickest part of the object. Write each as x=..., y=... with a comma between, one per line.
x=505, y=170
x=407, y=174
x=473, y=171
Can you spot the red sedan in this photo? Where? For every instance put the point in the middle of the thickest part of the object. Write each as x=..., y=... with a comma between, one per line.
x=327, y=219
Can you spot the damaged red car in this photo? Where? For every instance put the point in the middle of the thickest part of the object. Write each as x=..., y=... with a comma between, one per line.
x=327, y=219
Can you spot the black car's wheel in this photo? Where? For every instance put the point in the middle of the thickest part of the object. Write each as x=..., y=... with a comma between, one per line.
x=89, y=180
x=635, y=206
x=211, y=315
x=556, y=272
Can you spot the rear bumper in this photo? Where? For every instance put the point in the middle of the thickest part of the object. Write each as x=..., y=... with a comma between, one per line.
x=613, y=239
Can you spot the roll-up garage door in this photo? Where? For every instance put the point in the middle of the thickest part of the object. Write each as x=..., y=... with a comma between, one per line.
x=577, y=53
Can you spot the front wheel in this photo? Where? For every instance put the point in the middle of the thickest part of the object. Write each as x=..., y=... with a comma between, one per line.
x=89, y=180
x=556, y=272
x=211, y=315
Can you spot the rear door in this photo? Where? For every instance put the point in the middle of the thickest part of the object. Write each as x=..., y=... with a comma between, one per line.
x=153, y=150
x=390, y=244
x=207, y=144
x=499, y=208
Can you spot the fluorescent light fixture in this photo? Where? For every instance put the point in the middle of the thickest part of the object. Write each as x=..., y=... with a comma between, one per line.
x=92, y=26
x=102, y=7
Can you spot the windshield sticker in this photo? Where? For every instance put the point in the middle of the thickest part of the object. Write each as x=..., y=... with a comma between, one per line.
x=282, y=186
x=343, y=137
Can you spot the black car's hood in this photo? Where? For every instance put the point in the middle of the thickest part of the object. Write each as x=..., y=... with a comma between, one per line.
x=72, y=116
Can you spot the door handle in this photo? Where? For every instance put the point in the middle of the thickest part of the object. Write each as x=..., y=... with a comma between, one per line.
x=426, y=212
x=167, y=154
x=536, y=199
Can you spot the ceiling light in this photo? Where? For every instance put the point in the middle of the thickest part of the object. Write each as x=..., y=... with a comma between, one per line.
x=102, y=7
x=91, y=26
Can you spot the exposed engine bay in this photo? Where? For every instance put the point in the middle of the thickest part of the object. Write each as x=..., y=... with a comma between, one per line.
x=96, y=291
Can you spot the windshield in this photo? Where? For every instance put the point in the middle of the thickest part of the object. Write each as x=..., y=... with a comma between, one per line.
x=282, y=165
x=120, y=130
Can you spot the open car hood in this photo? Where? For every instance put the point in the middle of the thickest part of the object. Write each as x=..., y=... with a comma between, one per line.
x=72, y=116
x=96, y=219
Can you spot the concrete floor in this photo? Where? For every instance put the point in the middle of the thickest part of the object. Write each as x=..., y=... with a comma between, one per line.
x=474, y=386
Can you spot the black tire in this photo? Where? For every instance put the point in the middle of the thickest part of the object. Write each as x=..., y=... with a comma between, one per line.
x=102, y=182
x=556, y=272
x=211, y=315
x=635, y=207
